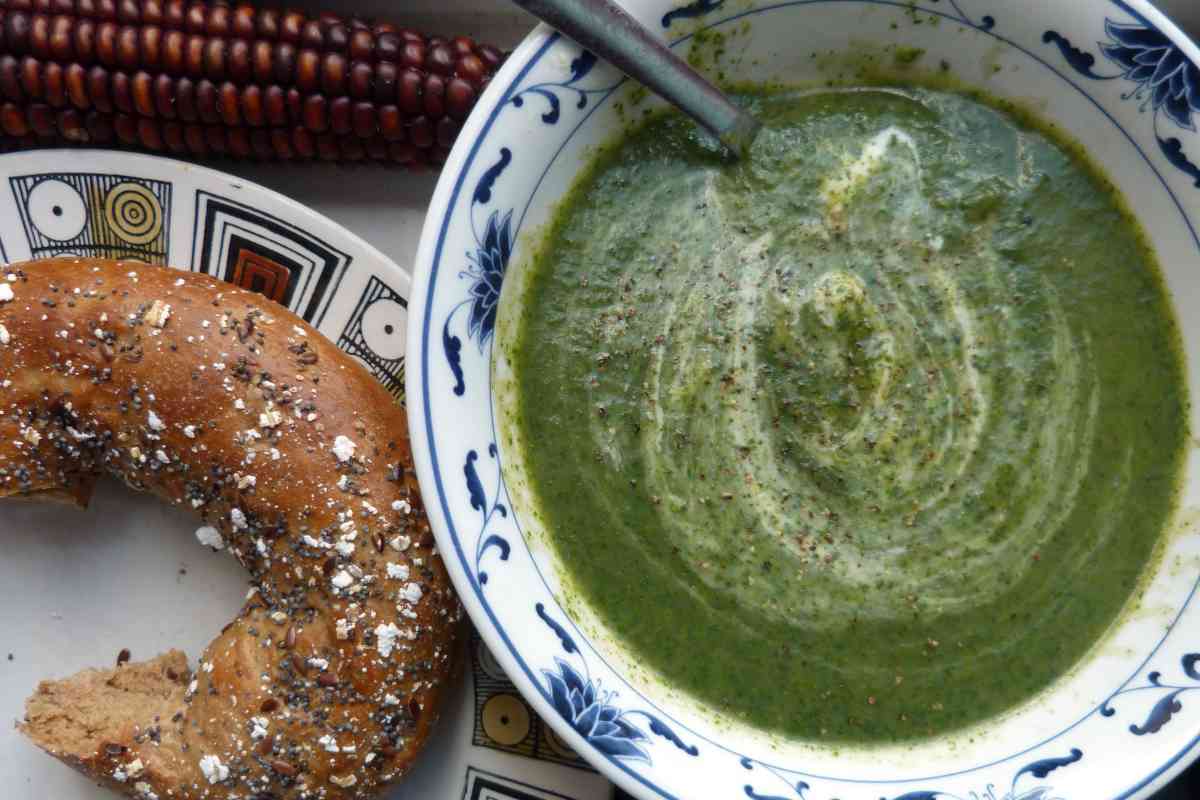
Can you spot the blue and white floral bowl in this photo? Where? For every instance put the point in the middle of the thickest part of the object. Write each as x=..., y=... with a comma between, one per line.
x=1115, y=75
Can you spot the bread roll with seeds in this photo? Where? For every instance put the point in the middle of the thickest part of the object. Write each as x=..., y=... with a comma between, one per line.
x=329, y=680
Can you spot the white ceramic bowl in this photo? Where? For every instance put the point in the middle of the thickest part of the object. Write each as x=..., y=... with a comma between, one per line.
x=1115, y=75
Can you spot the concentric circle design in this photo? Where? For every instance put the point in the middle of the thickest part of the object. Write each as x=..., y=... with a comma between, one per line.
x=133, y=213
x=57, y=210
x=384, y=324
x=506, y=719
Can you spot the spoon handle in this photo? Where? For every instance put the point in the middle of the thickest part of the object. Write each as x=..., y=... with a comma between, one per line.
x=611, y=33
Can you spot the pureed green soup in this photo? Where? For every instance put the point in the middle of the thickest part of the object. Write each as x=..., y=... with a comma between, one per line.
x=864, y=438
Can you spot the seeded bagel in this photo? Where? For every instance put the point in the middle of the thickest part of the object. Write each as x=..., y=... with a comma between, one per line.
x=328, y=681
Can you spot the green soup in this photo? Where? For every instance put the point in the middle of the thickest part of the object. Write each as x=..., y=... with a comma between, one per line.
x=866, y=437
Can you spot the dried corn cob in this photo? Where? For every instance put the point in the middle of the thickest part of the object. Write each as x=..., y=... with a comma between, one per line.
x=199, y=79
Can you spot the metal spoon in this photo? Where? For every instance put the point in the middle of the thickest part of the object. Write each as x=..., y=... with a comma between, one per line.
x=607, y=30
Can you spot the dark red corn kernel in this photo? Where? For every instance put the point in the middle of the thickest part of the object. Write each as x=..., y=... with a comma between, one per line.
x=100, y=128
x=359, y=83
x=310, y=35
x=308, y=69
x=409, y=93
x=39, y=36
x=151, y=47
x=16, y=33
x=128, y=51
x=98, y=89
x=214, y=139
x=193, y=136
x=413, y=55
x=173, y=14
x=84, y=42
x=351, y=149
x=12, y=120
x=337, y=38
x=281, y=144
x=447, y=129
x=295, y=106
x=440, y=60
x=193, y=56
x=304, y=143
x=152, y=12
x=420, y=133
x=385, y=82
x=239, y=63
x=172, y=133
x=463, y=46
x=185, y=102
x=217, y=23
x=61, y=40
x=252, y=107
x=174, y=45
x=391, y=124
x=193, y=20
x=165, y=91
x=339, y=115
x=242, y=25
x=316, y=113
x=75, y=77
x=10, y=79
x=142, y=87
x=460, y=98
x=206, y=102
x=433, y=97
x=149, y=135
x=403, y=153
x=362, y=45
x=290, y=25
x=492, y=58
x=388, y=47
x=228, y=101
x=275, y=103
x=333, y=74
x=122, y=92
x=376, y=151
x=363, y=120
x=214, y=59
x=267, y=23
x=327, y=147
x=106, y=43
x=260, y=145
x=126, y=129
x=42, y=120
x=239, y=142
x=54, y=84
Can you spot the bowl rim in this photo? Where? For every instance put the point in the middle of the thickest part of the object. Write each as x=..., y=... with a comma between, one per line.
x=451, y=183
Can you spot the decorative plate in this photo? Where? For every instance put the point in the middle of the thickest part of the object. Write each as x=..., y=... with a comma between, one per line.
x=1115, y=75
x=128, y=573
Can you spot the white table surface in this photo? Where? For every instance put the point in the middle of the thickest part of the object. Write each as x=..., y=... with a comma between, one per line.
x=89, y=614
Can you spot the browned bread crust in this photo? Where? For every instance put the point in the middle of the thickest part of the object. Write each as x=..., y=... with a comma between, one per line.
x=328, y=681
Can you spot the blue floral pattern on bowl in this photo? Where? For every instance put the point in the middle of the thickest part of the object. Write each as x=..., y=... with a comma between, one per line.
x=1166, y=81
x=628, y=734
